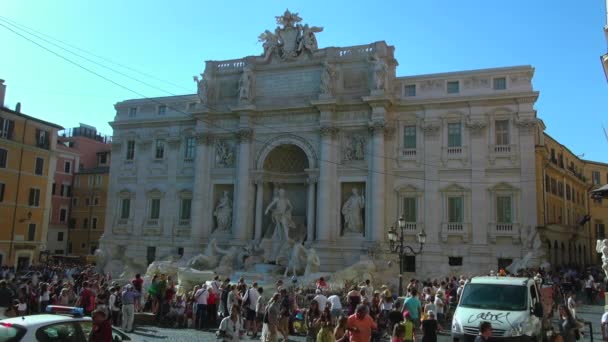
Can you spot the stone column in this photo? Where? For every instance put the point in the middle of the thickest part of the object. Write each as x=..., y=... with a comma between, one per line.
x=377, y=192
x=241, y=227
x=310, y=209
x=172, y=202
x=324, y=205
x=201, y=196
x=259, y=197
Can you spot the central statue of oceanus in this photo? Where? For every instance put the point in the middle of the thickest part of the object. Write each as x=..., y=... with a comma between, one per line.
x=281, y=219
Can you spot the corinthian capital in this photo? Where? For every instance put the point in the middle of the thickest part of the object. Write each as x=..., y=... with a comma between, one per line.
x=328, y=131
x=245, y=135
x=378, y=127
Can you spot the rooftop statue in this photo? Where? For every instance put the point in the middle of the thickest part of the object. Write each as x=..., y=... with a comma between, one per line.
x=290, y=40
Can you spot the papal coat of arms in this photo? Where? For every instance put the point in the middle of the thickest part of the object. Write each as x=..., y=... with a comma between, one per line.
x=290, y=40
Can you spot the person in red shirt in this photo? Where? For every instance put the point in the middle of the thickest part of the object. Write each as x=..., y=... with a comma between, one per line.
x=360, y=325
x=138, y=284
x=86, y=299
x=102, y=327
x=212, y=307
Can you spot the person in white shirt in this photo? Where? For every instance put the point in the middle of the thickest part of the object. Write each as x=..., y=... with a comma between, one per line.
x=250, y=302
x=114, y=309
x=336, y=306
x=231, y=327
x=260, y=309
x=572, y=304
x=589, y=289
x=320, y=299
x=201, y=297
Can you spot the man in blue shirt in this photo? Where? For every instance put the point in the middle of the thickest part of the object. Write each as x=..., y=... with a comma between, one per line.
x=412, y=304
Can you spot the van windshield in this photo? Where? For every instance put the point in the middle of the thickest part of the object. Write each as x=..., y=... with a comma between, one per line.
x=494, y=296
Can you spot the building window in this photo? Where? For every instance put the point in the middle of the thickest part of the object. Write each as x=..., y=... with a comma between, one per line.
x=53, y=188
x=39, y=166
x=91, y=181
x=31, y=232
x=502, y=132
x=2, y=186
x=132, y=112
x=185, y=209
x=190, y=148
x=409, y=209
x=500, y=83
x=409, y=90
x=75, y=201
x=553, y=186
x=155, y=208
x=42, y=139
x=455, y=261
x=560, y=189
x=3, y=158
x=600, y=231
x=409, y=137
x=455, y=209
x=67, y=167
x=160, y=149
x=98, y=180
x=34, y=198
x=453, y=87
x=96, y=201
x=103, y=158
x=76, y=181
x=504, y=209
x=59, y=236
x=151, y=254
x=595, y=177
x=180, y=251
x=6, y=128
x=94, y=223
x=454, y=135
x=85, y=223
x=162, y=109
x=125, y=208
x=63, y=213
x=409, y=263
x=87, y=202
x=130, y=149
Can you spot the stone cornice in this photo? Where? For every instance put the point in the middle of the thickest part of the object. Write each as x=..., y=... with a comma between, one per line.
x=324, y=105
x=378, y=101
x=463, y=100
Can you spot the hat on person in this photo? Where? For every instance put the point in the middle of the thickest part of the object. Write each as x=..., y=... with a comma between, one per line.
x=406, y=314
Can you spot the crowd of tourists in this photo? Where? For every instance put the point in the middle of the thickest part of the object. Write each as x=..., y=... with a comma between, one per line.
x=238, y=310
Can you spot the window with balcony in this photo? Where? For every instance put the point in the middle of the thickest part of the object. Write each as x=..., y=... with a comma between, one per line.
x=595, y=177
x=39, y=168
x=455, y=209
x=504, y=210
x=3, y=158
x=409, y=209
x=130, y=150
x=189, y=148
x=125, y=208
x=453, y=87
x=160, y=149
x=7, y=127
x=500, y=83
x=409, y=137
x=67, y=167
x=409, y=90
x=42, y=139
x=185, y=211
x=455, y=135
x=501, y=128
x=155, y=209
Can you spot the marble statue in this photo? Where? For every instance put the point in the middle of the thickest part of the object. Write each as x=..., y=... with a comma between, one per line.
x=351, y=210
x=270, y=43
x=281, y=218
x=601, y=246
x=246, y=85
x=208, y=260
x=223, y=213
x=290, y=38
x=297, y=259
x=328, y=79
x=313, y=262
x=308, y=41
x=355, y=148
x=224, y=156
x=202, y=87
x=379, y=70
x=535, y=253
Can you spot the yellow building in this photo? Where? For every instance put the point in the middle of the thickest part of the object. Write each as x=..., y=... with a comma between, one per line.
x=27, y=168
x=89, y=202
x=562, y=203
x=597, y=175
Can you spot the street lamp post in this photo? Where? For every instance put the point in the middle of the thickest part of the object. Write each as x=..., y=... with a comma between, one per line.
x=397, y=245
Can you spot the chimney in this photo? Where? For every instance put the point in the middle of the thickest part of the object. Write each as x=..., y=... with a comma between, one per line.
x=18, y=107
x=2, y=93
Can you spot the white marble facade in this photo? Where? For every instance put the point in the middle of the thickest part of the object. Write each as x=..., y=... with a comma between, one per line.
x=452, y=152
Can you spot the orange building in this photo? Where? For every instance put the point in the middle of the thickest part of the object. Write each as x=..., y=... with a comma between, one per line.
x=27, y=168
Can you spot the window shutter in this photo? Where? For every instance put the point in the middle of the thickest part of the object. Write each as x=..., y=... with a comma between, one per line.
x=32, y=195
x=11, y=128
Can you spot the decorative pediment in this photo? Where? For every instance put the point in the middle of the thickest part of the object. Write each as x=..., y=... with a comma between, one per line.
x=155, y=192
x=503, y=186
x=186, y=192
x=126, y=193
x=408, y=188
x=454, y=188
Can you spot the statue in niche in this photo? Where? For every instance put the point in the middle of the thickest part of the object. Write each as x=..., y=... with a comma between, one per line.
x=351, y=210
x=355, y=150
x=379, y=70
x=223, y=213
x=327, y=79
x=224, y=157
x=281, y=219
x=246, y=85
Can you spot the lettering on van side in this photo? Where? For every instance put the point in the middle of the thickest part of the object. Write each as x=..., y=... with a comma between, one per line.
x=490, y=317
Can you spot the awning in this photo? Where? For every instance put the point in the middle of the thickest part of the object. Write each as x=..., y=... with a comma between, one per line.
x=601, y=192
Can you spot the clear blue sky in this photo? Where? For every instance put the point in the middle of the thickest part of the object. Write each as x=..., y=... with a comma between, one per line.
x=170, y=39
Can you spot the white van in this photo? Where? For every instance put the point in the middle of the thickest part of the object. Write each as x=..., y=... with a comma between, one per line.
x=511, y=305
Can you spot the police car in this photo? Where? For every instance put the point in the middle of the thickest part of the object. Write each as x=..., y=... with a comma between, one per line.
x=61, y=323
